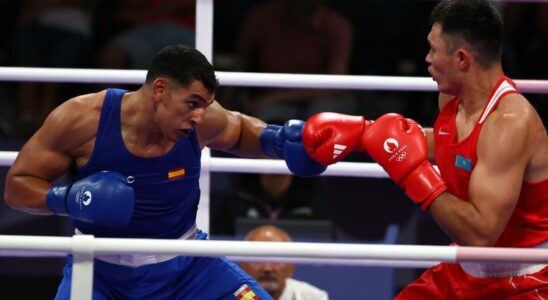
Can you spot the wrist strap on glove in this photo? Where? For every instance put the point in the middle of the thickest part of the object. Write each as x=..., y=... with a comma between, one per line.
x=424, y=185
x=56, y=199
x=268, y=141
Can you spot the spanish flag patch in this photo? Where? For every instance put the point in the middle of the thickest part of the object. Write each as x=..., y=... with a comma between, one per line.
x=176, y=173
x=245, y=293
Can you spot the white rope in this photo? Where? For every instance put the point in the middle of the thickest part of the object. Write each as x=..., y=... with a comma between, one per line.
x=273, y=259
x=264, y=166
x=72, y=75
x=338, y=261
x=353, y=82
x=279, y=250
x=259, y=166
x=7, y=158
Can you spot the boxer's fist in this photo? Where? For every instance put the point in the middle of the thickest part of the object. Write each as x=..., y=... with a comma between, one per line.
x=286, y=142
x=330, y=137
x=400, y=147
x=103, y=198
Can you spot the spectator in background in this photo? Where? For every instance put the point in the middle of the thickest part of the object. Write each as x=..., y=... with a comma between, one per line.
x=295, y=36
x=150, y=25
x=276, y=278
x=54, y=34
x=268, y=197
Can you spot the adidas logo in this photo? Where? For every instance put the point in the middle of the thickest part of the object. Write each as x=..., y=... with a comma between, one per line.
x=338, y=149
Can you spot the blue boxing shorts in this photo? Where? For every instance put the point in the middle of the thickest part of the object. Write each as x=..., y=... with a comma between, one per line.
x=182, y=277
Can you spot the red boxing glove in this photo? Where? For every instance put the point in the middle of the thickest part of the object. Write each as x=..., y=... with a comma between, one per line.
x=330, y=137
x=400, y=147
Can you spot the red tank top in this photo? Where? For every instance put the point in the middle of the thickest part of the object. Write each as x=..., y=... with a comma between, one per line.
x=528, y=225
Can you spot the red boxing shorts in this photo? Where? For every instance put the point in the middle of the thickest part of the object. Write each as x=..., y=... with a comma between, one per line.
x=450, y=281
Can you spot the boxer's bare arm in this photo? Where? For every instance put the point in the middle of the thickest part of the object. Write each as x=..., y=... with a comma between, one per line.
x=430, y=140
x=47, y=155
x=504, y=153
x=231, y=131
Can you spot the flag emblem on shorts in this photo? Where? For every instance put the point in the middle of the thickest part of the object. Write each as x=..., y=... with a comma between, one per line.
x=463, y=163
x=176, y=173
x=245, y=293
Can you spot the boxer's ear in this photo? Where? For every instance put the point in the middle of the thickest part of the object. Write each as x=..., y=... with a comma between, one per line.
x=464, y=57
x=159, y=88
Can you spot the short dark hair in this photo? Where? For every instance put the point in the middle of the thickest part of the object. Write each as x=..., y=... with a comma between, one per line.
x=474, y=22
x=184, y=64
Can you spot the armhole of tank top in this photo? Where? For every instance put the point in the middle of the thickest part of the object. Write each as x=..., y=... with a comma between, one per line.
x=514, y=91
x=483, y=118
x=480, y=123
x=107, y=105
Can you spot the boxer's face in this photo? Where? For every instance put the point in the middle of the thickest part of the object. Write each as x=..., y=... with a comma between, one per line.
x=440, y=61
x=181, y=108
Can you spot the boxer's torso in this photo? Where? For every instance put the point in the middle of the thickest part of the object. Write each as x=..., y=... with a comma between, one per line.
x=456, y=158
x=166, y=186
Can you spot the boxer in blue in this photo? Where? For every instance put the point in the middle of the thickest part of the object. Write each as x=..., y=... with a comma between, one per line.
x=135, y=160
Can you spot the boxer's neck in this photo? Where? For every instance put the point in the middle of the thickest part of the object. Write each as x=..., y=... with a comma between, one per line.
x=140, y=132
x=477, y=87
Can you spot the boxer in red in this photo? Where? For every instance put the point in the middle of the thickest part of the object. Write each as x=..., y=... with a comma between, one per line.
x=491, y=148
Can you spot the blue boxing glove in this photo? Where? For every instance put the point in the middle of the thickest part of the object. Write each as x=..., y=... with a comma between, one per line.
x=103, y=198
x=286, y=142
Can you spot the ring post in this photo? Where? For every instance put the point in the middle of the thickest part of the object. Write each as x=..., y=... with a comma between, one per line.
x=82, y=267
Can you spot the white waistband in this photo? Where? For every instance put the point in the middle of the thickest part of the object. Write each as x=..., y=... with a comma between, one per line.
x=495, y=270
x=138, y=260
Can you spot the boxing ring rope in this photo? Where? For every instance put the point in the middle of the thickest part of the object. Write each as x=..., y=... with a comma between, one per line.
x=275, y=166
x=85, y=247
x=249, y=79
x=265, y=251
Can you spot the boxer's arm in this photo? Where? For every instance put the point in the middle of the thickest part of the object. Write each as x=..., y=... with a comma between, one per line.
x=46, y=156
x=429, y=132
x=495, y=184
x=231, y=132
x=246, y=136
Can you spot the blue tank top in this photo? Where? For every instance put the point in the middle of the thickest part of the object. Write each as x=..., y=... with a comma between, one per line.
x=166, y=187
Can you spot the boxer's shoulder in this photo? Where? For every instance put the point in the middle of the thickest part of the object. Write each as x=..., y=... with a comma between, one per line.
x=512, y=112
x=92, y=102
x=508, y=131
x=74, y=123
x=78, y=107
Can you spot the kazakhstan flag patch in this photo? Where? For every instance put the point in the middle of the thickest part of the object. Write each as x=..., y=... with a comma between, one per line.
x=463, y=163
